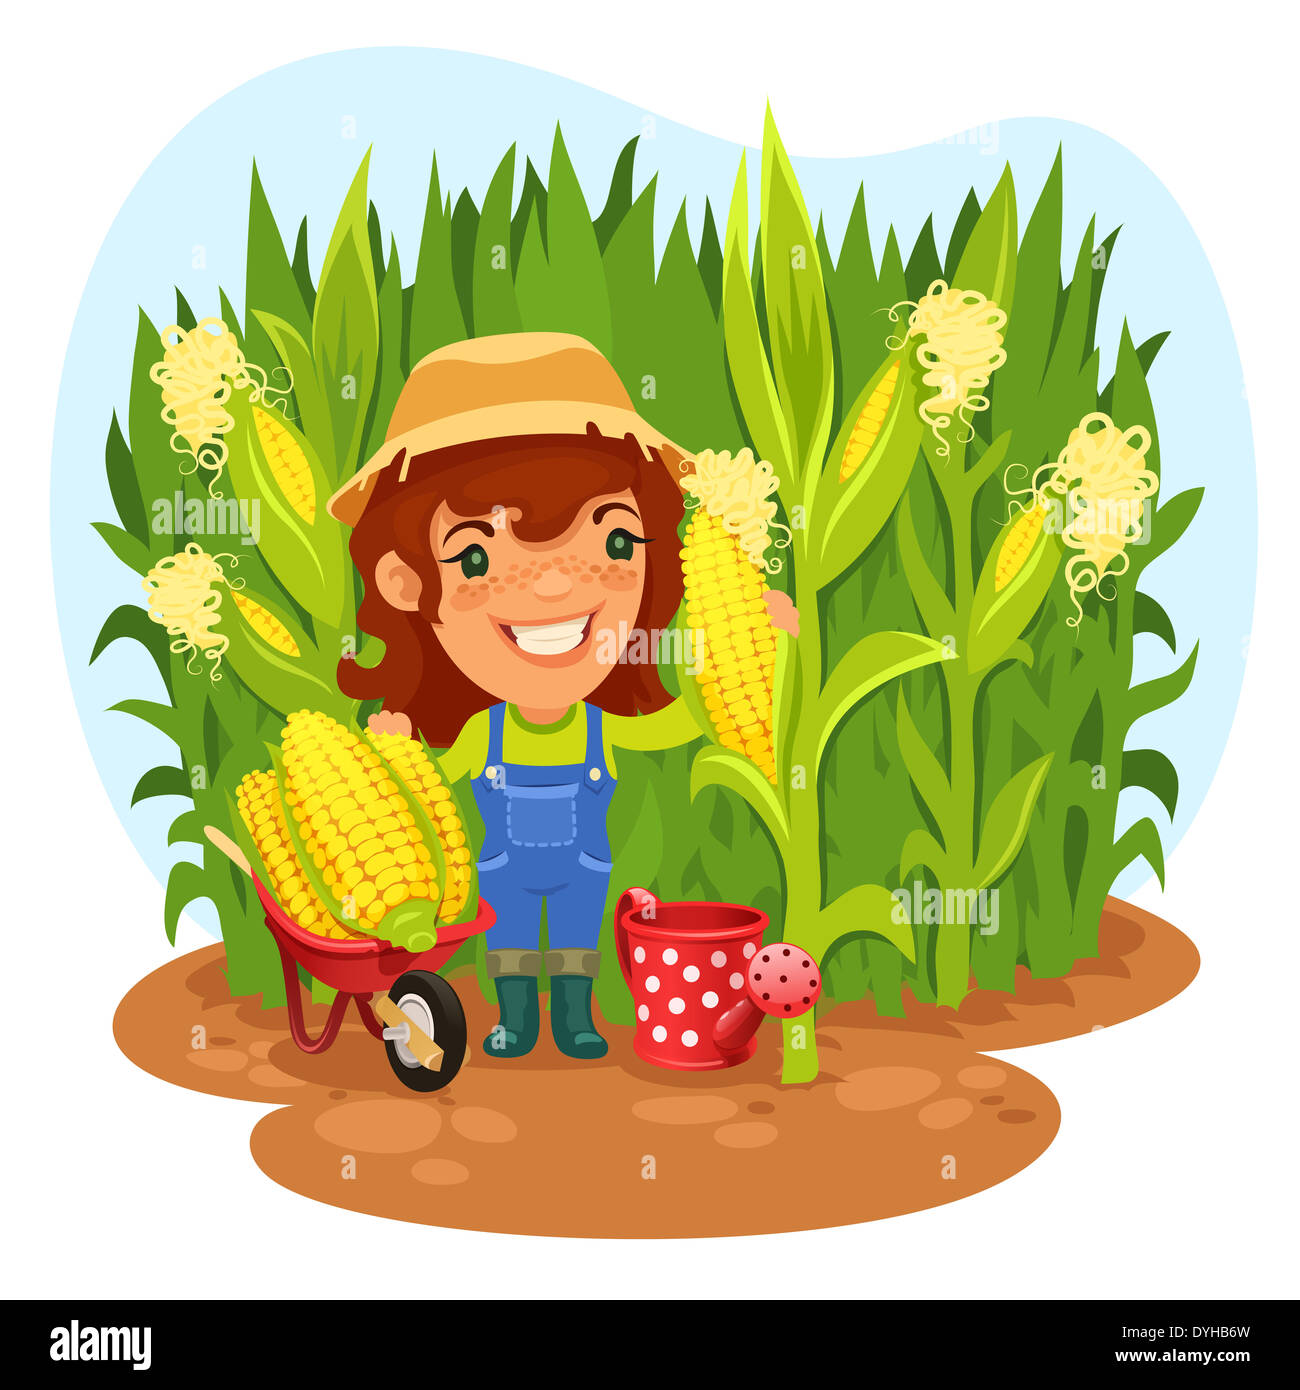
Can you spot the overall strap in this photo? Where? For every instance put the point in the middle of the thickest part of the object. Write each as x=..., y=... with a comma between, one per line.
x=595, y=754
x=496, y=727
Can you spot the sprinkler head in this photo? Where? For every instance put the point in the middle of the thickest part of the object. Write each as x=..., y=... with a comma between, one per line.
x=784, y=981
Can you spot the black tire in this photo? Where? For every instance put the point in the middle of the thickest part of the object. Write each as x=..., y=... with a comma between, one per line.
x=432, y=996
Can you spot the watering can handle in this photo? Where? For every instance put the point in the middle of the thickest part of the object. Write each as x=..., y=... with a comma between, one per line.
x=633, y=900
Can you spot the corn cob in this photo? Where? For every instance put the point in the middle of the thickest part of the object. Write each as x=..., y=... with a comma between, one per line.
x=267, y=626
x=1019, y=545
x=417, y=770
x=258, y=799
x=867, y=427
x=735, y=643
x=288, y=462
x=353, y=820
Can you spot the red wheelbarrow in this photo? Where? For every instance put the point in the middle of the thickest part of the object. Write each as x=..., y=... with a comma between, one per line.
x=399, y=997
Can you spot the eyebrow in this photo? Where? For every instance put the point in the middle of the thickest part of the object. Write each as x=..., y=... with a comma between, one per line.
x=603, y=511
x=482, y=526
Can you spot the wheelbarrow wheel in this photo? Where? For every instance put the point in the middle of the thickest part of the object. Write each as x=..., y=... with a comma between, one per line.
x=434, y=1007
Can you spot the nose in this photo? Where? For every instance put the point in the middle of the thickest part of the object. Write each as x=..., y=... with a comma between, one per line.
x=552, y=583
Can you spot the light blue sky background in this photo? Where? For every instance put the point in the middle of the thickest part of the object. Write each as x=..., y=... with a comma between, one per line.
x=297, y=122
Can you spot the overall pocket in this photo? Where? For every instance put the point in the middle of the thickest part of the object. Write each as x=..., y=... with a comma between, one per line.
x=542, y=817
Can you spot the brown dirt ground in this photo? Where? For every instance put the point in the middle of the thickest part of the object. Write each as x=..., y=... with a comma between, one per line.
x=905, y=1115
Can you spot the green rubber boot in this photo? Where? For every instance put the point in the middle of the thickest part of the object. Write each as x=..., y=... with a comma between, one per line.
x=515, y=974
x=572, y=973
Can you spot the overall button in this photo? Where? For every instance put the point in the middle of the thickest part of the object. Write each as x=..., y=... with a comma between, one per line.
x=595, y=774
x=490, y=773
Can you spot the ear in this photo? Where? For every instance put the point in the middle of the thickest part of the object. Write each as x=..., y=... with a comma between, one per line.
x=398, y=582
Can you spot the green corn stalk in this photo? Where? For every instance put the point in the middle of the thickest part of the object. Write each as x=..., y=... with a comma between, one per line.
x=787, y=402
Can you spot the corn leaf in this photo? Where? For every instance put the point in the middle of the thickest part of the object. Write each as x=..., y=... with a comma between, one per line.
x=167, y=719
x=1140, y=841
x=1028, y=335
x=1007, y=822
x=922, y=850
x=124, y=485
x=496, y=309
x=751, y=375
x=435, y=309
x=1171, y=520
x=925, y=770
x=988, y=263
x=1149, y=616
x=1151, y=769
x=618, y=202
x=345, y=328
x=563, y=288
x=724, y=767
x=313, y=409
x=1163, y=690
x=798, y=323
x=132, y=553
x=187, y=828
x=133, y=623
x=786, y=688
x=271, y=285
x=161, y=781
x=392, y=377
x=186, y=884
x=865, y=911
x=928, y=594
x=864, y=668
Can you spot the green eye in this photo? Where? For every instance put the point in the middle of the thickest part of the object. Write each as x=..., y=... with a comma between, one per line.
x=621, y=544
x=473, y=562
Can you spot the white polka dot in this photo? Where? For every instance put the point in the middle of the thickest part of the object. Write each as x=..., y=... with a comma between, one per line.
x=691, y=974
x=690, y=1038
x=709, y=999
x=660, y=1033
x=719, y=958
x=677, y=1006
x=670, y=957
x=639, y=954
x=737, y=981
x=651, y=984
x=643, y=1012
x=749, y=949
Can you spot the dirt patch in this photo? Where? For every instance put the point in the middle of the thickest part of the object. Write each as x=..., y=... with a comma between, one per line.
x=1141, y=963
x=546, y=1146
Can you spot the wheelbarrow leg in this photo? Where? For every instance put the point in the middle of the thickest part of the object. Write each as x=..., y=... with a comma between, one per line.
x=298, y=1024
x=373, y=1025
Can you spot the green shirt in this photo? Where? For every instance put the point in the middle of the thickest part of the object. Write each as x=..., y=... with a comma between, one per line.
x=565, y=741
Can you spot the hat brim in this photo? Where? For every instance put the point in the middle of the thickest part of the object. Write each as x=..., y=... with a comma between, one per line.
x=499, y=422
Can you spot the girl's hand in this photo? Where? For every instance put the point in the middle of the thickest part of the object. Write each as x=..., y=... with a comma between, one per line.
x=389, y=722
x=782, y=612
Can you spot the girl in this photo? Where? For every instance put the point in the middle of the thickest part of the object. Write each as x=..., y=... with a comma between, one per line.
x=518, y=526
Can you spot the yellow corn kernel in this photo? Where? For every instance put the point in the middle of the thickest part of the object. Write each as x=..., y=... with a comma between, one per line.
x=865, y=431
x=288, y=462
x=265, y=624
x=735, y=667
x=1019, y=545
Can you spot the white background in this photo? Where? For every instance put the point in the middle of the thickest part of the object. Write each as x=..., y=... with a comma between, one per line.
x=1173, y=1173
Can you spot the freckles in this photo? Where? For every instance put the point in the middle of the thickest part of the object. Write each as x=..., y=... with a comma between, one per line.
x=469, y=596
x=620, y=578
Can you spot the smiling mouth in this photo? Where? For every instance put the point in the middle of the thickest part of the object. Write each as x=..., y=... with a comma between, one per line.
x=550, y=639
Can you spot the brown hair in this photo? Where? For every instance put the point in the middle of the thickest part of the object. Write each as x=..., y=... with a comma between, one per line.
x=548, y=477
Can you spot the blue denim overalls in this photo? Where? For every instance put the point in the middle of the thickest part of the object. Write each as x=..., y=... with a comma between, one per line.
x=544, y=838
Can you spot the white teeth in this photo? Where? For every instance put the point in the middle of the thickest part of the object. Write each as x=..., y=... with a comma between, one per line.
x=550, y=639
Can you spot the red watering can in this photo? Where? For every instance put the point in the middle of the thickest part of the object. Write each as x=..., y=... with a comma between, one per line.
x=702, y=980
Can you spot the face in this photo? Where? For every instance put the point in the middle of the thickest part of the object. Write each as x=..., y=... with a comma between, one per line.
x=536, y=623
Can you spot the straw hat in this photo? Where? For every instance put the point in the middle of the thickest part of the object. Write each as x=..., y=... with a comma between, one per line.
x=502, y=387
